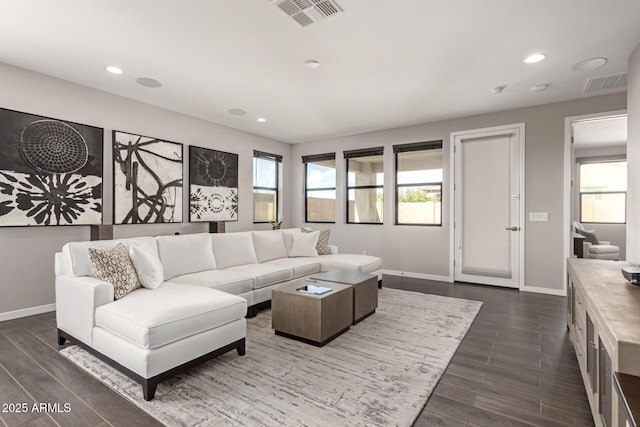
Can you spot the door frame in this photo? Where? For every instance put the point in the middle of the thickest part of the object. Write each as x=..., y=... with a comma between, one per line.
x=568, y=179
x=521, y=205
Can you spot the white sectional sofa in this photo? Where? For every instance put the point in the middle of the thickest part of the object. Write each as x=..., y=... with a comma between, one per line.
x=211, y=282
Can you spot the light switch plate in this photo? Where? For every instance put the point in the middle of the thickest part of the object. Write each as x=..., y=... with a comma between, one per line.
x=538, y=216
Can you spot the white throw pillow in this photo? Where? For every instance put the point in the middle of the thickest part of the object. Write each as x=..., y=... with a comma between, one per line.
x=148, y=268
x=323, y=241
x=287, y=235
x=304, y=244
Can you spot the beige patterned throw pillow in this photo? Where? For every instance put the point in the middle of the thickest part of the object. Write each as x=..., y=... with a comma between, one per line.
x=323, y=241
x=114, y=266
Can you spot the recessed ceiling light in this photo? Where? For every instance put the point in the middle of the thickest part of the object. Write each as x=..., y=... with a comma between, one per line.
x=312, y=63
x=113, y=69
x=533, y=58
x=589, y=64
x=498, y=89
x=540, y=88
x=261, y=120
x=237, y=112
x=148, y=82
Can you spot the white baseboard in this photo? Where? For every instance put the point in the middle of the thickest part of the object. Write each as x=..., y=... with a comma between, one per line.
x=16, y=314
x=418, y=275
x=538, y=290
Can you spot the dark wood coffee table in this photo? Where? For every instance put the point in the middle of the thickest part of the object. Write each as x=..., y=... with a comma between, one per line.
x=310, y=318
x=365, y=290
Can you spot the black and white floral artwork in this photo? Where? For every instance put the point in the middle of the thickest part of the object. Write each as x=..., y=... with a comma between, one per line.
x=50, y=171
x=147, y=179
x=213, y=185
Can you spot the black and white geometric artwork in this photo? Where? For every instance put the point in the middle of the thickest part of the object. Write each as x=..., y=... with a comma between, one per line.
x=50, y=171
x=213, y=185
x=147, y=179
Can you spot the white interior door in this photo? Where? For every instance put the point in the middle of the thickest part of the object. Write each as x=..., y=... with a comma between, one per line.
x=489, y=205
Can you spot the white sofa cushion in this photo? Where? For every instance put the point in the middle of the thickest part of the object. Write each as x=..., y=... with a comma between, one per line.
x=233, y=249
x=363, y=263
x=304, y=244
x=265, y=274
x=148, y=267
x=269, y=245
x=153, y=318
x=234, y=282
x=302, y=266
x=77, y=253
x=184, y=254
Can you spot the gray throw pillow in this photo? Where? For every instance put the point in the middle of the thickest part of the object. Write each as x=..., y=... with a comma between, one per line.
x=323, y=243
x=590, y=235
x=115, y=266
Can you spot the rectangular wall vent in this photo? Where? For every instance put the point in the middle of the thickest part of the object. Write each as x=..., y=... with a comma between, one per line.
x=604, y=83
x=307, y=12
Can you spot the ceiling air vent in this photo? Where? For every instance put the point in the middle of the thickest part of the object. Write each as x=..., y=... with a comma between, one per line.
x=306, y=12
x=602, y=83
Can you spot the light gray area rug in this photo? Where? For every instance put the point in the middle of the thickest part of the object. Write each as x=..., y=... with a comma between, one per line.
x=379, y=373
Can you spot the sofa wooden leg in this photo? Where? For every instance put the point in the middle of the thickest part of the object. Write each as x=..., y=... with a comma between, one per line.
x=149, y=389
x=242, y=348
x=380, y=284
x=61, y=338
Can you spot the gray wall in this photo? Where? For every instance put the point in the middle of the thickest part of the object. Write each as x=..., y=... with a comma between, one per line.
x=425, y=250
x=633, y=158
x=26, y=253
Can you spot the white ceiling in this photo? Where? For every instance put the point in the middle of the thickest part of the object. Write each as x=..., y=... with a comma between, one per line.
x=601, y=132
x=384, y=63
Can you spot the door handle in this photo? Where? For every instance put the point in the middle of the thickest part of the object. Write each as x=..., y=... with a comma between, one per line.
x=514, y=228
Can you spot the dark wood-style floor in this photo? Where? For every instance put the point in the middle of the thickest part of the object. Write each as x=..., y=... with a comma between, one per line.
x=516, y=366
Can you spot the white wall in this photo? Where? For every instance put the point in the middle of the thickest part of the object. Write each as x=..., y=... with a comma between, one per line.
x=425, y=250
x=26, y=253
x=633, y=158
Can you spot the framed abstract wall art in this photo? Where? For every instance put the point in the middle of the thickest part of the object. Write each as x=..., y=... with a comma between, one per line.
x=50, y=171
x=147, y=179
x=213, y=185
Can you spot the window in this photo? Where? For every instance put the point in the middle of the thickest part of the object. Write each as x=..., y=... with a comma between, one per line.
x=365, y=181
x=603, y=192
x=266, y=178
x=419, y=183
x=320, y=187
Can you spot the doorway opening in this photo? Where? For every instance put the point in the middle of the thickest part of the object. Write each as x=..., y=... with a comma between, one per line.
x=595, y=185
